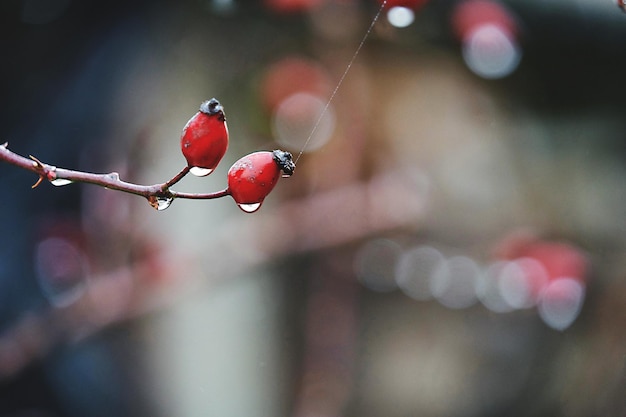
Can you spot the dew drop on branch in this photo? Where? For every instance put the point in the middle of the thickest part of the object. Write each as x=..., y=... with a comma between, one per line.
x=160, y=203
x=250, y=208
x=59, y=182
x=200, y=172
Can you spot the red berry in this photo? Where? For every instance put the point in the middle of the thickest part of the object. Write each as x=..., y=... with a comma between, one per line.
x=292, y=6
x=409, y=4
x=293, y=75
x=469, y=15
x=252, y=177
x=205, y=138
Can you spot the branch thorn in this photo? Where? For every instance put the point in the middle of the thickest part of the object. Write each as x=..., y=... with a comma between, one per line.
x=39, y=180
x=38, y=163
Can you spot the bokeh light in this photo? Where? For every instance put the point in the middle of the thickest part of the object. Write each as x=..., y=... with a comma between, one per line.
x=375, y=264
x=561, y=301
x=521, y=281
x=400, y=17
x=303, y=119
x=528, y=275
x=489, y=34
x=454, y=282
x=488, y=288
x=295, y=92
x=490, y=52
x=222, y=6
x=291, y=75
x=415, y=269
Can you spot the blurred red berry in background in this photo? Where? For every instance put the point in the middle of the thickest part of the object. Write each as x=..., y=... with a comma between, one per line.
x=469, y=15
x=559, y=259
x=410, y=4
x=292, y=6
x=292, y=75
x=489, y=35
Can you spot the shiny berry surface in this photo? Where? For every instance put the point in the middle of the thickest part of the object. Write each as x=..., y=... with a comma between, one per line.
x=205, y=137
x=253, y=177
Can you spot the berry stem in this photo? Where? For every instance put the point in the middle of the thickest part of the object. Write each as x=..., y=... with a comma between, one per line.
x=110, y=181
x=205, y=196
x=176, y=178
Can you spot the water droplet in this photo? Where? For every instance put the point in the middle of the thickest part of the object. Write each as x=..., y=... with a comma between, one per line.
x=163, y=203
x=59, y=182
x=115, y=176
x=250, y=208
x=160, y=203
x=200, y=172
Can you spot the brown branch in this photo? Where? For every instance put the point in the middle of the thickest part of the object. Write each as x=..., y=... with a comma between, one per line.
x=158, y=195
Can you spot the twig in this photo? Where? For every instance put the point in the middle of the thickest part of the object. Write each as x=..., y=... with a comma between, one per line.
x=178, y=177
x=158, y=195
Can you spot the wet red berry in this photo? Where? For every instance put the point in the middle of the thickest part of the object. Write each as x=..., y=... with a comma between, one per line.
x=205, y=138
x=252, y=177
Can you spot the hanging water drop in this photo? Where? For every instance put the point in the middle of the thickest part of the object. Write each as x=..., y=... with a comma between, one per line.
x=163, y=203
x=59, y=182
x=250, y=208
x=160, y=203
x=200, y=172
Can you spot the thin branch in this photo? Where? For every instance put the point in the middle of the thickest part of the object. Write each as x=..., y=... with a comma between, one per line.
x=177, y=177
x=61, y=176
x=206, y=196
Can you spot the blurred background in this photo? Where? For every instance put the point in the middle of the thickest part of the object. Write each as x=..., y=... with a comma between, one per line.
x=453, y=242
